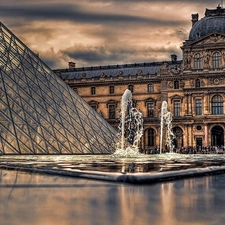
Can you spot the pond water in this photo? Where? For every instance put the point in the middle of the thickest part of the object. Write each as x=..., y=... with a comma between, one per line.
x=28, y=198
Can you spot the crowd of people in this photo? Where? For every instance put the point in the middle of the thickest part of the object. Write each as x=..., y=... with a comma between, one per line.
x=188, y=150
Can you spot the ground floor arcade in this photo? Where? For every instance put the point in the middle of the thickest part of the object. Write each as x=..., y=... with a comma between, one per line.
x=197, y=136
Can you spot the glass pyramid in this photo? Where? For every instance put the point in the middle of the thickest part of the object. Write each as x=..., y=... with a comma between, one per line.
x=39, y=113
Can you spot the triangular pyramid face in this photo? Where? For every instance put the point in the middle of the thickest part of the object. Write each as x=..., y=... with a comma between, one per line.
x=39, y=113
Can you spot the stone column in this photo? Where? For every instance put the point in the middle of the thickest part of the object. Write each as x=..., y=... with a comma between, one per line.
x=189, y=105
x=206, y=103
x=186, y=104
x=206, y=135
x=186, y=136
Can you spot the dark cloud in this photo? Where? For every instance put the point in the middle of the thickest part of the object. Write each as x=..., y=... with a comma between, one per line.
x=92, y=55
x=52, y=58
x=74, y=13
x=99, y=32
x=208, y=2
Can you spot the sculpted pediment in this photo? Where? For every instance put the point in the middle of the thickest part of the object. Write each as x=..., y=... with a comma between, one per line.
x=211, y=39
x=176, y=96
x=148, y=100
x=111, y=102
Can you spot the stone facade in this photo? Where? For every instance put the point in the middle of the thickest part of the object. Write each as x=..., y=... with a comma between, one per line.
x=193, y=88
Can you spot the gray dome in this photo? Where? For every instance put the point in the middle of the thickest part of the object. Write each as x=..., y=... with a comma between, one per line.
x=206, y=26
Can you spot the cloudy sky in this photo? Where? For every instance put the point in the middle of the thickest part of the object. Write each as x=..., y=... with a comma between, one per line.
x=102, y=32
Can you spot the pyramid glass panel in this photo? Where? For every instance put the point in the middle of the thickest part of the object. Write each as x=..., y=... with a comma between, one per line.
x=39, y=113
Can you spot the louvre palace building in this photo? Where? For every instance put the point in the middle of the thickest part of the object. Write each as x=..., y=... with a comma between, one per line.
x=193, y=87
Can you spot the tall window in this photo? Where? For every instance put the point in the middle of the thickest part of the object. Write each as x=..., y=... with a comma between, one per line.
x=150, y=109
x=217, y=105
x=150, y=88
x=197, y=83
x=198, y=61
x=176, y=108
x=198, y=106
x=131, y=88
x=93, y=91
x=176, y=84
x=216, y=57
x=111, y=89
x=151, y=137
x=112, y=112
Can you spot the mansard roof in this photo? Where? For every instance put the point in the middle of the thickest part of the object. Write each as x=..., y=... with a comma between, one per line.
x=134, y=69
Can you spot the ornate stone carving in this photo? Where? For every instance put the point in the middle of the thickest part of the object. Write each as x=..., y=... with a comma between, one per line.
x=175, y=70
x=121, y=73
x=102, y=74
x=216, y=81
x=192, y=83
x=187, y=60
x=206, y=58
x=170, y=84
x=202, y=83
x=140, y=72
x=182, y=84
x=176, y=96
x=164, y=69
x=58, y=73
x=197, y=129
x=212, y=39
x=223, y=56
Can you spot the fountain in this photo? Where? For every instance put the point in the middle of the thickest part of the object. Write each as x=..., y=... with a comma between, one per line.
x=130, y=127
x=166, y=119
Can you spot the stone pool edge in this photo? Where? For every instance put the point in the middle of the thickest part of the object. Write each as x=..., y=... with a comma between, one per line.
x=131, y=178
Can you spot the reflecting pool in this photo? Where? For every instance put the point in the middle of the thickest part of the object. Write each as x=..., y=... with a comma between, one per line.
x=28, y=198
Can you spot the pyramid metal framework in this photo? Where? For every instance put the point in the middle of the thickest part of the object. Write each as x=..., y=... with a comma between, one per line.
x=39, y=113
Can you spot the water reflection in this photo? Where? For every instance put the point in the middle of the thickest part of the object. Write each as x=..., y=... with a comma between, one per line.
x=28, y=198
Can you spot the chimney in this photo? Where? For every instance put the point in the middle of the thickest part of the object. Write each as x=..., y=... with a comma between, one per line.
x=72, y=65
x=194, y=18
x=174, y=58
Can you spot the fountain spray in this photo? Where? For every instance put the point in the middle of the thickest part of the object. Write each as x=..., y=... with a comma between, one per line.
x=166, y=119
x=130, y=127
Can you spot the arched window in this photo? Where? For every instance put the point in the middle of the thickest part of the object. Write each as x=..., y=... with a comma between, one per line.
x=197, y=83
x=216, y=57
x=197, y=61
x=151, y=137
x=217, y=105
